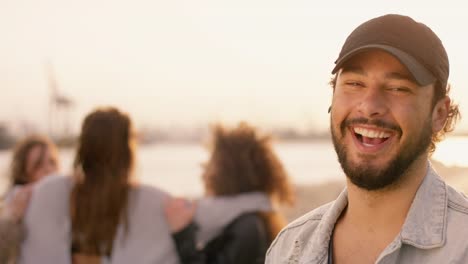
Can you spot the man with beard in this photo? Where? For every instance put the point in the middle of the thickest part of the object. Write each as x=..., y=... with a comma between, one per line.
x=390, y=106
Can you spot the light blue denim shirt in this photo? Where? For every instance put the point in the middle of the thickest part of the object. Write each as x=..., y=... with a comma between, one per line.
x=435, y=230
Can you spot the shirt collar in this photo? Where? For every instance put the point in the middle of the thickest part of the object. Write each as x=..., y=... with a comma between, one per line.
x=318, y=246
x=426, y=223
x=424, y=227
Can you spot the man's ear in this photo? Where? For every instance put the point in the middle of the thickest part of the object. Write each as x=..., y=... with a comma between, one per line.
x=440, y=114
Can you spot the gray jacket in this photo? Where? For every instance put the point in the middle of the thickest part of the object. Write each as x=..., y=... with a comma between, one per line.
x=435, y=230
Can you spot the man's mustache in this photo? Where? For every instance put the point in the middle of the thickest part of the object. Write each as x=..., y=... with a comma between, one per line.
x=374, y=122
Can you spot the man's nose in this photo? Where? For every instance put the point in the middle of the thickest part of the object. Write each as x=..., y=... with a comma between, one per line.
x=373, y=103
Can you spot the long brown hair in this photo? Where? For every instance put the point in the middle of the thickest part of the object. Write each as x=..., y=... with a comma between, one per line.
x=103, y=167
x=242, y=161
x=18, y=168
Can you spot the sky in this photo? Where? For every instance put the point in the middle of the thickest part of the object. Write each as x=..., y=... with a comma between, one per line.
x=186, y=63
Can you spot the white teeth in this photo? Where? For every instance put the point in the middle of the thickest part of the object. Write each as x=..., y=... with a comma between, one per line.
x=370, y=133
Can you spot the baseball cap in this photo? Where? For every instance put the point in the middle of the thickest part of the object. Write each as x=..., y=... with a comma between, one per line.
x=414, y=44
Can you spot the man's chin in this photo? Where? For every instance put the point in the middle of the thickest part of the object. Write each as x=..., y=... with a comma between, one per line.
x=370, y=178
x=371, y=184
x=370, y=163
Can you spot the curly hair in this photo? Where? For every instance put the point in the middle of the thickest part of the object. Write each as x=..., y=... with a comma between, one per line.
x=244, y=161
x=453, y=115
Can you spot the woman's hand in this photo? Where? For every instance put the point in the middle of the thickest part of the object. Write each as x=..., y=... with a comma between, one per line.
x=179, y=213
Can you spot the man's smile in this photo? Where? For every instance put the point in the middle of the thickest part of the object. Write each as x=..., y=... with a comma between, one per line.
x=370, y=139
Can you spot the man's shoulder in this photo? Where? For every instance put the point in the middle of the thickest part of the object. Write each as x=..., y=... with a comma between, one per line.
x=457, y=201
x=457, y=221
x=300, y=229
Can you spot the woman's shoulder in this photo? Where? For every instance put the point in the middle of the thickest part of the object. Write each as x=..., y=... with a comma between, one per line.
x=48, y=208
x=52, y=189
x=55, y=181
x=147, y=200
x=247, y=223
x=248, y=227
x=244, y=240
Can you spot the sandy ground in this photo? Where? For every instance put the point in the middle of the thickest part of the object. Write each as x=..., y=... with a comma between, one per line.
x=309, y=197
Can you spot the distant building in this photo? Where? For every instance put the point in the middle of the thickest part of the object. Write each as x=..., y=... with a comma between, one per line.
x=60, y=108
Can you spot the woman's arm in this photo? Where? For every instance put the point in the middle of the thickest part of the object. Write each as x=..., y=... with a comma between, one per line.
x=11, y=234
x=213, y=214
x=11, y=229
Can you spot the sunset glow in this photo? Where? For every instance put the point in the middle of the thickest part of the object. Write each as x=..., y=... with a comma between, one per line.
x=192, y=62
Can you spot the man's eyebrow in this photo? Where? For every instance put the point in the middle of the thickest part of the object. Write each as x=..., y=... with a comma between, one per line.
x=391, y=75
x=400, y=76
x=353, y=69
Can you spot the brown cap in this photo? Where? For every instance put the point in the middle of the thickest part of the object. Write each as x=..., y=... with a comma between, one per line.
x=414, y=44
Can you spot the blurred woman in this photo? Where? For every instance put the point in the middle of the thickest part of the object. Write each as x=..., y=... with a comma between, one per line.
x=34, y=158
x=103, y=165
x=99, y=215
x=241, y=161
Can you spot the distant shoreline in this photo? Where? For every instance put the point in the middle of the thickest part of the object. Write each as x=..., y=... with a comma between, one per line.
x=7, y=141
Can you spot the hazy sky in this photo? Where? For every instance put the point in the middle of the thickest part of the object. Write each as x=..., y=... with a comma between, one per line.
x=194, y=61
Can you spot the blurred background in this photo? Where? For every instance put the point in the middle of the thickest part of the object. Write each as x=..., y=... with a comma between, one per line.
x=179, y=66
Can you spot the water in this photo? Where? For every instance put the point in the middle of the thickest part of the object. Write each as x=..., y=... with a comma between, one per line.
x=451, y=151
x=176, y=167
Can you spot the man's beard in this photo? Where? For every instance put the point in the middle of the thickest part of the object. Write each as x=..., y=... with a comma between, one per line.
x=372, y=178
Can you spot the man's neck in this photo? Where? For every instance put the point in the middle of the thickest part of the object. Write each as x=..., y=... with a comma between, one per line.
x=373, y=219
x=386, y=209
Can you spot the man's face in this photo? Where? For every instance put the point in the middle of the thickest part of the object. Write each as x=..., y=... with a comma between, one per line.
x=381, y=120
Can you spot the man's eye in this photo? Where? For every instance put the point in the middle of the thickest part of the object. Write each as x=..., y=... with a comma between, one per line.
x=354, y=84
x=399, y=89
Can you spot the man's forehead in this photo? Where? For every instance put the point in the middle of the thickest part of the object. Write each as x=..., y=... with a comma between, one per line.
x=357, y=65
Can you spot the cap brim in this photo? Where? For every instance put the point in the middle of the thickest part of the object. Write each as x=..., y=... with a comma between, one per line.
x=420, y=73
